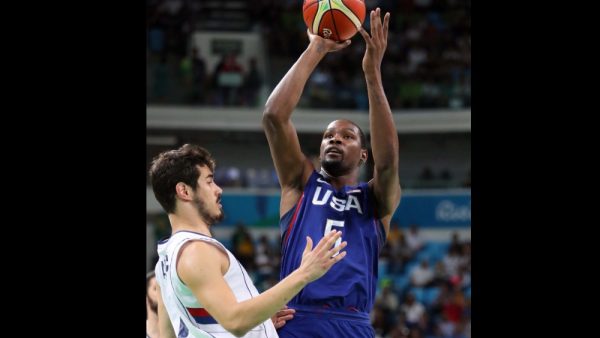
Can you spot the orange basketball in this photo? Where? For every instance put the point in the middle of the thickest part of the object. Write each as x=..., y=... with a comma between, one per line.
x=337, y=20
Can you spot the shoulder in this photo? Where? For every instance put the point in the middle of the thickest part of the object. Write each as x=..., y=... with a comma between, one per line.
x=201, y=255
x=198, y=249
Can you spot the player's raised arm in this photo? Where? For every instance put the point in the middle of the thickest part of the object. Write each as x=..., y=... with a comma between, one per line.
x=384, y=137
x=293, y=168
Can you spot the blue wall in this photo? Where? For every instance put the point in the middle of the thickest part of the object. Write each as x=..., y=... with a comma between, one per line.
x=425, y=209
x=435, y=210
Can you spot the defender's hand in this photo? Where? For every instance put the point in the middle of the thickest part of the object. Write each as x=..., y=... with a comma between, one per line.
x=317, y=262
x=282, y=316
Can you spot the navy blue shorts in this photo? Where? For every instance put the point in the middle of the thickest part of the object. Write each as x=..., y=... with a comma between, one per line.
x=327, y=324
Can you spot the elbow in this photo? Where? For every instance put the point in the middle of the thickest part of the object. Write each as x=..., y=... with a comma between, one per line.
x=238, y=330
x=277, y=111
x=268, y=117
x=271, y=111
x=271, y=118
x=236, y=326
x=238, y=333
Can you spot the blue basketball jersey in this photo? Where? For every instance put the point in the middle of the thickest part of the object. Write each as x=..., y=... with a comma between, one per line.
x=349, y=286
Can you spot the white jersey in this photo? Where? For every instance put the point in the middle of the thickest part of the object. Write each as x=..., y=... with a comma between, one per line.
x=187, y=315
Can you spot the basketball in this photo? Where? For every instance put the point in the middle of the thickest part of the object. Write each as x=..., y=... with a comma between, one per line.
x=337, y=20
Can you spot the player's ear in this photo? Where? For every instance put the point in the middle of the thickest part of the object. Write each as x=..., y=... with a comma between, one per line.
x=183, y=191
x=364, y=155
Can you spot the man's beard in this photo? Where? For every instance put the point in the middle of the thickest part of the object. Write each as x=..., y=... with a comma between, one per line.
x=334, y=168
x=205, y=214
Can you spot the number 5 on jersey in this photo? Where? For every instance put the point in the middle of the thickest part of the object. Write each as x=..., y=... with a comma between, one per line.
x=333, y=223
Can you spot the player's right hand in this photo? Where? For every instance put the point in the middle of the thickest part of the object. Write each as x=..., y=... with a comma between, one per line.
x=317, y=262
x=326, y=45
x=282, y=316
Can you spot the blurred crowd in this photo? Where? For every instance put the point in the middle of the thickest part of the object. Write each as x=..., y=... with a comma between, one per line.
x=250, y=177
x=427, y=63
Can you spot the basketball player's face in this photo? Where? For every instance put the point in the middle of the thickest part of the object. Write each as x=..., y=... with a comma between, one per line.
x=340, y=148
x=208, y=197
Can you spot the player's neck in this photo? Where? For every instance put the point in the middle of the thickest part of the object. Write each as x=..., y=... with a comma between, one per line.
x=189, y=222
x=339, y=182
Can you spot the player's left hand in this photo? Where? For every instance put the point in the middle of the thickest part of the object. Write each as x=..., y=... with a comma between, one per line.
x=377, y=42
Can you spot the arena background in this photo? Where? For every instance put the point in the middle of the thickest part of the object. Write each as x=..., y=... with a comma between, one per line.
x=210, y=66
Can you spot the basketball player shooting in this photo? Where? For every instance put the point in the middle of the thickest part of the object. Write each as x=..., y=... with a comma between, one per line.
x=315, y=201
